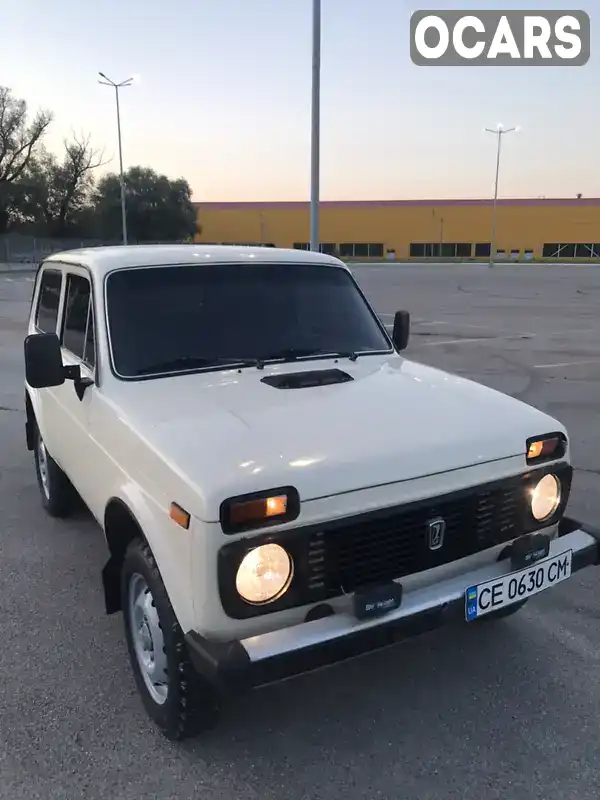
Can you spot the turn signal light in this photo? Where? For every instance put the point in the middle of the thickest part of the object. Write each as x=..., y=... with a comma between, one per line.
x=256, y=510
x=545, y=448
x=179, y=515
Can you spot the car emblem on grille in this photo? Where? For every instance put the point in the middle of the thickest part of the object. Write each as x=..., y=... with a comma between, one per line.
x=437, y=528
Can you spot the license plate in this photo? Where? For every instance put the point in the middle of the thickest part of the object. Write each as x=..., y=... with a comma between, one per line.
x=516, y=586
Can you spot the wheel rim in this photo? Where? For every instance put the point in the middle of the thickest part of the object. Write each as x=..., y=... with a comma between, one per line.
x=43, y=466
x=148, y=640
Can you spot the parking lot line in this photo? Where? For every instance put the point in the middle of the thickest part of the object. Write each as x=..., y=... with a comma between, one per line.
x=479, y=339
x=472, y=340
x=567, y=363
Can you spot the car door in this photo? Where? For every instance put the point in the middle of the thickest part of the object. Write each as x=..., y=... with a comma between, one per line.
x=77, y=338
x=44, y=318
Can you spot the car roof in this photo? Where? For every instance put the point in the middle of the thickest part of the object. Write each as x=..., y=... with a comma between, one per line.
x=101, y=260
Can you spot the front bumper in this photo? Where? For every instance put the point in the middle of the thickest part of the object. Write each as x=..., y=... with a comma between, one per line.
x=271, y=657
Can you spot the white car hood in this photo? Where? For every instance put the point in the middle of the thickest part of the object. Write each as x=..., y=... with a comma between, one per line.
x=229, y=433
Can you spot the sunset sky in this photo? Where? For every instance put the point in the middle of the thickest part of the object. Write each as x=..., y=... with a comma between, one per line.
x=224, y=98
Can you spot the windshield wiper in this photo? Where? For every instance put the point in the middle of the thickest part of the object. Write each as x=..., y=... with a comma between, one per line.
x=197, y=362
x=194, y=362
x=292, y=353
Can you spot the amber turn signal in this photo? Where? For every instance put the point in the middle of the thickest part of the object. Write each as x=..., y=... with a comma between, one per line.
x=179, y=515
x=545, y=448
x=259, y=509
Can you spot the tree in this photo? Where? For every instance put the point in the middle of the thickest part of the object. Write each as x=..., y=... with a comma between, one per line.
x=158, y=209
x=57, y=193
x=19, y=139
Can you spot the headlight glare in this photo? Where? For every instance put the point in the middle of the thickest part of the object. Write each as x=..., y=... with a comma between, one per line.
x=545, y=497
x=264, y=574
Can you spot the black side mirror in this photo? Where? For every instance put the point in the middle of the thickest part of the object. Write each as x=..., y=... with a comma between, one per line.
x=401, y=330
x=43, y=361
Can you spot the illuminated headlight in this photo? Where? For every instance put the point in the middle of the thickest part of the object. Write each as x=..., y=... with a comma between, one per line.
x=545, y=497
x=264, y=574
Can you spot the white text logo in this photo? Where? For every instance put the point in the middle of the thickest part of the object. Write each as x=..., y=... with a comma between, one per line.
x=496, y=38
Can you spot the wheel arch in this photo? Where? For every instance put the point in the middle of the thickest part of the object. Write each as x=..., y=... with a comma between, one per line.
x=29, y=422
x=121, y=527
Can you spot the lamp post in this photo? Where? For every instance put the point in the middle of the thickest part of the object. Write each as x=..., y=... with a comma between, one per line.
x=499, y=132
x=116, y=86
x=315, y=127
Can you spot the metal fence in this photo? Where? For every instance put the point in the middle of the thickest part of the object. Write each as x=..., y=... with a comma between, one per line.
x=21, y=248
x=18, y=248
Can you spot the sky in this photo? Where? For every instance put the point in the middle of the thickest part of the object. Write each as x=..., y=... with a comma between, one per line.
x=224, y=92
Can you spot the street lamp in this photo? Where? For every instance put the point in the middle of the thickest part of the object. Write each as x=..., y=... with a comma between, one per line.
x=116, y=86
x=498, y=131
x=315, y=132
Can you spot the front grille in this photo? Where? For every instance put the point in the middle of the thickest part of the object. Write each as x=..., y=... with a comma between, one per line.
x=340, y=556
x=387, y=547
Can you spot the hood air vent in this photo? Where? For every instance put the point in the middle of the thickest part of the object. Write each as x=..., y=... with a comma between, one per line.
x=305, y=380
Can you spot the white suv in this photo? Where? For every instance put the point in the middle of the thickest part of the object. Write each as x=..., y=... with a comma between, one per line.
x=279, y=488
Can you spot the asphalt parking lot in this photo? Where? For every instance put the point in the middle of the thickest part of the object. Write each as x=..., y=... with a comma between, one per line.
x=506, y=710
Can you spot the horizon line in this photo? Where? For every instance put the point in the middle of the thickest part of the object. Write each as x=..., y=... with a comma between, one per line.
x=297, y=204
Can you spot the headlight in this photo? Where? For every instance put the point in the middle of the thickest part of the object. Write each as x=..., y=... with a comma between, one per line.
x=545, y=498
x=264, y=574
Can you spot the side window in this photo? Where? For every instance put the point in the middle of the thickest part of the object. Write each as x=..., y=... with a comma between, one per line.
x=78, y=327
x=46, y=314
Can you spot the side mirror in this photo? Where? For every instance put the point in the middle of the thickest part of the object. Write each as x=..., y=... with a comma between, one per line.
x=43, y=361
x=401, y=330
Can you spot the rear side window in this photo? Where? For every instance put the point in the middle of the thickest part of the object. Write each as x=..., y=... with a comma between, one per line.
x=78, y=328
x=46, y=314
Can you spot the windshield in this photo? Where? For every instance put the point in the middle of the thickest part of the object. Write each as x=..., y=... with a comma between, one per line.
x=171, y=319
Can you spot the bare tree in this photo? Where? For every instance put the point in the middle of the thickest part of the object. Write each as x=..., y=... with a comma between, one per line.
x=18, y=141
x=59, y=191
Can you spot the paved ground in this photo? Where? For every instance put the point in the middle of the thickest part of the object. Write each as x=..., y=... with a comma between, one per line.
x=508, y=710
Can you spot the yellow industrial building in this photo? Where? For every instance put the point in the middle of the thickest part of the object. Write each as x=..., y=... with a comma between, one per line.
x=403, y=229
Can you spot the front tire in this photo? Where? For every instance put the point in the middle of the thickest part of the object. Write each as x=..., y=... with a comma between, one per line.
x=174, y=696
x=56, y=490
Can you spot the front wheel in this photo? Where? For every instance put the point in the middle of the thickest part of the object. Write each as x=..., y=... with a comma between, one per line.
x=56, y=490
x=179, y=701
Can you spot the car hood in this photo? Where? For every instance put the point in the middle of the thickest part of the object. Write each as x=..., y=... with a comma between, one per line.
x=229, y=433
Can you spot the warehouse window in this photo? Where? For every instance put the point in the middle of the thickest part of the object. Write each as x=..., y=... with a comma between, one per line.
x=301, y=246
x=328, y=249
x=249, y=244
x=587, y=251
x=361, y=250
x=571, y=251
x=440, y=250
x=482, y=250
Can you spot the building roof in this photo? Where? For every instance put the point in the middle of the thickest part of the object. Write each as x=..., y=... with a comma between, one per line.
x=105, y=259
x=296, y=205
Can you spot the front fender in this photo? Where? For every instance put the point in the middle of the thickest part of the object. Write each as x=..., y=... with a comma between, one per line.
x=171, y=546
